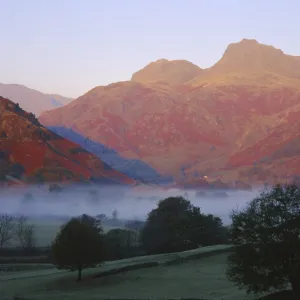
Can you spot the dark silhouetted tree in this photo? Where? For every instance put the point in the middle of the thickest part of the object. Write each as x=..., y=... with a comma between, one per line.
x=54, y=187
x=213, y=231
x=79, y=245
x=28, y=198
x=267, y=233
x=17, y=170
x=4, y=169
x=177, y=225
x=25, y=233
x=135, y=225
x=93, y=196
x=6, y=229
x=120, y=243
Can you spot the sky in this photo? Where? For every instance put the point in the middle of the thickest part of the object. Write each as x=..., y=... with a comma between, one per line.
x=70, y=46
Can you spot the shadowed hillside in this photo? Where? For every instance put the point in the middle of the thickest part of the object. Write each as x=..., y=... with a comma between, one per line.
x=133, y=168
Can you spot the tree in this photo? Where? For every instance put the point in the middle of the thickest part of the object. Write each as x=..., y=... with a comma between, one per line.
x=25, y=233
x=135, y=225
x=93, y=196
x=92, y=222
x=115, y=215
x=16, y=170
x=120, y=243
x=17, y=108
x=79, y=245
x=29, y=239
x=213, y=231
x=6, y=229
x=176, y=225
x=4, y=166
x=28, y=198
x=101, y=217
x=267, y=233
x=54, y=187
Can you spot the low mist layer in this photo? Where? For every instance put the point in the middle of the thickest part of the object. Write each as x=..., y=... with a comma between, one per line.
x=129, y=203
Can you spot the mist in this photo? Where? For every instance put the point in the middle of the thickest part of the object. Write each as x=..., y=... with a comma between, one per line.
x=129, y=203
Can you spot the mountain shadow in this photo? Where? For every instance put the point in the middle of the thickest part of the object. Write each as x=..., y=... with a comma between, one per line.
x=134, y=168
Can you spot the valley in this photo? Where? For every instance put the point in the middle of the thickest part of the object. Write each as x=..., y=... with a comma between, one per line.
x=149, y=150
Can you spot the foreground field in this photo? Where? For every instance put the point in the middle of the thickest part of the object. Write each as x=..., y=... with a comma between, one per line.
x=201, y=275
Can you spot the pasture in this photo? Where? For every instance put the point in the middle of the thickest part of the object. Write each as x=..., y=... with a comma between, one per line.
x=194, y=274
x=46, y=230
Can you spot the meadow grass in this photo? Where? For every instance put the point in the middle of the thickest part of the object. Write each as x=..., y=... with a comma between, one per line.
x=46, y=230
x=197, y=273
x=18, y=268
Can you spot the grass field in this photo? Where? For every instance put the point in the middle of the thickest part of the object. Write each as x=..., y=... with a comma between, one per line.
x=200, y=274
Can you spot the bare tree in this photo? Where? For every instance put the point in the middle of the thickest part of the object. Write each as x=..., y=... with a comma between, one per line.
x=6, y=229
x=25, y=232
x=29, y=239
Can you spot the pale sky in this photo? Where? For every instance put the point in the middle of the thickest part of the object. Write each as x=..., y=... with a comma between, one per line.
x=70, y=46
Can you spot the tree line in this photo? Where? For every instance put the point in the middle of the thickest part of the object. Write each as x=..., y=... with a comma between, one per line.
x=175, y=225
x=17, y=228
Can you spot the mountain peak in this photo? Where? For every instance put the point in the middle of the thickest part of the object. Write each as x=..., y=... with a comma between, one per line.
x=169, y=71
x=249, y=41
x=248, y=56
x=161, y=60
x=251, y=46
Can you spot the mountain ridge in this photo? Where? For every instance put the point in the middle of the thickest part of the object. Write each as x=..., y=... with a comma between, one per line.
x=238, y=52
x=204, y=127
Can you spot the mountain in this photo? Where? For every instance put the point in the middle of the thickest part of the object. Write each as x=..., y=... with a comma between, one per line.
x=249, y=61
x=35, y=154
x=235, y=122
x=133, y=168
x=167, y=71
x=32, y=100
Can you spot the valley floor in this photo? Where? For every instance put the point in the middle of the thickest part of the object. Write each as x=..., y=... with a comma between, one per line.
x=202, y=277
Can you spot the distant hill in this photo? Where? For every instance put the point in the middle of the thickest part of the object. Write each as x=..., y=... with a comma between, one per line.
x=33, y=153
x=32, y=100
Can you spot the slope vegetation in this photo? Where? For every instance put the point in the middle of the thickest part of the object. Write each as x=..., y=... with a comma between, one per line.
x=32, y=152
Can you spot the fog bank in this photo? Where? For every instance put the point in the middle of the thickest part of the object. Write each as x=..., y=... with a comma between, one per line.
x=129, y=203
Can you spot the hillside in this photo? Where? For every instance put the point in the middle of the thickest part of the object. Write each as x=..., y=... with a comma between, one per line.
x=32, y=100
x=167, y=71
x=33, y=153
x=236, y=121
x=133, y=168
